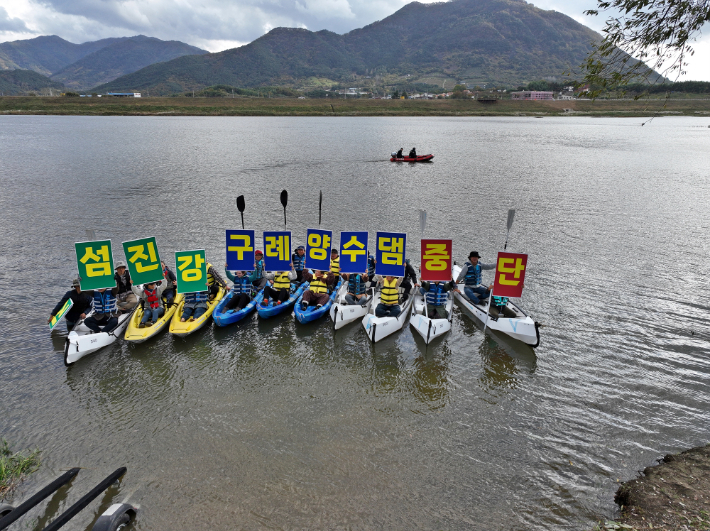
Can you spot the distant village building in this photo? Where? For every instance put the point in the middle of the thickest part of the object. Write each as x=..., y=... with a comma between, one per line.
x=531, y=95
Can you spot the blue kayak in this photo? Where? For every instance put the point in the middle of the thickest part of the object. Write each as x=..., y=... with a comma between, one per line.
x=223, y=318
x=311, y=313
x=269, y=311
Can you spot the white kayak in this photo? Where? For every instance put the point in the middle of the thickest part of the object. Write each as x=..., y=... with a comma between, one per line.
x=378, y=328
x=82, y=341
x=427, y=327
x=513, y=322
x=343, y=313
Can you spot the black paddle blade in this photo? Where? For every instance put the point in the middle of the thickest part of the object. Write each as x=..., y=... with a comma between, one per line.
x=284, y=198
x=240, y=203
x=320, y=206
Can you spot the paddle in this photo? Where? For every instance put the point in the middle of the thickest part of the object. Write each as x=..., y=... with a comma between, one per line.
x=511, y=216
x=320, y=206
x=91, y=234
x=240, y=206
x=284, y=202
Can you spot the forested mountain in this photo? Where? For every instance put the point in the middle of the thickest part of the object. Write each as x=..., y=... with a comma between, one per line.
x=81, y=66
x=495, y=41
x=120, y=58
x=16, y=82
x=46, y=54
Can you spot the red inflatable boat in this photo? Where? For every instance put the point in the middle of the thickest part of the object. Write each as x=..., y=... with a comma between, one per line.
x=421, y=158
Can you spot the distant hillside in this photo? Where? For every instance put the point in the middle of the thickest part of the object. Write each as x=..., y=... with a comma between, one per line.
x=46, y=54
x=17, y=82
x=120, y=58
x=487, y=41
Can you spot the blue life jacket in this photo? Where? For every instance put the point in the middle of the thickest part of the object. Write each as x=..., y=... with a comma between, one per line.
x=356, y=285
x=500, y=301
x=196, y=297
x=435, y=295
x=242, y=285
x=370, y=266
x=299, y=262
x=104, y=302
x=473, y=276
x=259, y=270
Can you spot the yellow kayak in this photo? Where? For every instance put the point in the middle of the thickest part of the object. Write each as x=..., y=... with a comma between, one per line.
x=181, y=329
x=138, y=335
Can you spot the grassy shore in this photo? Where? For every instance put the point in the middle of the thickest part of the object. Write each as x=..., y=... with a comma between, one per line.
x=182, y=106
x=14, y=466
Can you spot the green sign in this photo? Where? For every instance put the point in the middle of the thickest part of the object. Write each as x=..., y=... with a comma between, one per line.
x=95, y=263
x=191, y=271
x=143, y=260
x=61, y=313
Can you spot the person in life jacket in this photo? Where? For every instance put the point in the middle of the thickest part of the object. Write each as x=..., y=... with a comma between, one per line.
x=436, y=294
x=106, y=312
x=126, y=298
x=389, y=296
x=169, y=293
x=472, y=276
x=280, y=288
x=335, y=264
x=413, y=153
x=257, y=277
x=399, y=153
x=241, y=290
x=371, y=263
x=214, y=282
x=298, y=259
x=317, y=293
x=357, y=288
x=150, y=294
x=195, y=305
x=82, y=304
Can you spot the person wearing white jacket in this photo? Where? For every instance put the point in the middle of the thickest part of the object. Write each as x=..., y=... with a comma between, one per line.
x=152, y=305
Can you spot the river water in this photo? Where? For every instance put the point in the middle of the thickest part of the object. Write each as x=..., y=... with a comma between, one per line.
x=276, y=425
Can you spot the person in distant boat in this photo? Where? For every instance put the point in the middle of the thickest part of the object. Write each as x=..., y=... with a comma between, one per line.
x=169, y=293
x=106, y=312
x=436, y=294
x=241, y=290
x=335, y=264
x=317, y=293
x=150, y=294
x=257, y=277
x=400, y=154
x=357, y=288
x=472, y=276
x=413, y=153
x=299, y=262
x=280, y=289
x=126, y=298
x=82, y=304
x=389, y=296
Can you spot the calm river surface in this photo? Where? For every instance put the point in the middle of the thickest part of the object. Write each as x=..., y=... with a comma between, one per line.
x=275, y=425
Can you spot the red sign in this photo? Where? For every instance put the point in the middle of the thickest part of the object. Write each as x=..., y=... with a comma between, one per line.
x=510, y=274
x=436, y=260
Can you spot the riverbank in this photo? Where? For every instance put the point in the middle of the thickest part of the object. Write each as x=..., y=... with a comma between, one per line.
x=674, y=494
x=14, y=467
x=340, y=107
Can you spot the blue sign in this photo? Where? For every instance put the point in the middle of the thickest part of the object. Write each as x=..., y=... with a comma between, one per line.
x=353, y=252
x=390, y=250
x=277, y=250
x=318, y=244
x=240, y=250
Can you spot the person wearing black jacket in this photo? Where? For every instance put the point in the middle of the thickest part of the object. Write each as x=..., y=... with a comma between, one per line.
x=82, y=304
x=169, y=293
x=126, y=299
x=410, y=277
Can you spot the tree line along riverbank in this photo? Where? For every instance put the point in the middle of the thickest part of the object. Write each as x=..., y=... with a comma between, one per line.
x=111, y=106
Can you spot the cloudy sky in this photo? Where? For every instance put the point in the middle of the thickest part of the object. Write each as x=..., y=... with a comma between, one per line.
x=217, y=25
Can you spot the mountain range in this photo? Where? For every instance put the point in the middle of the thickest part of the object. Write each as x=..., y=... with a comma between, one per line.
x=505, y=42
x=499, y=42
x=82, y=66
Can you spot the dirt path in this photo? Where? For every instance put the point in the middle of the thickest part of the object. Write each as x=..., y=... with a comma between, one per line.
x=674, y=494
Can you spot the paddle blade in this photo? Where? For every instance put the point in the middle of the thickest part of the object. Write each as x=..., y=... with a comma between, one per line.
x=320, y=206
x=284, y=198
x=240, y=203
x=422, y=220
x=511, y=216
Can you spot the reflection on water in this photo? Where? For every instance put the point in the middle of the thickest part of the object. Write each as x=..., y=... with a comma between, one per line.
x=274, y=424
